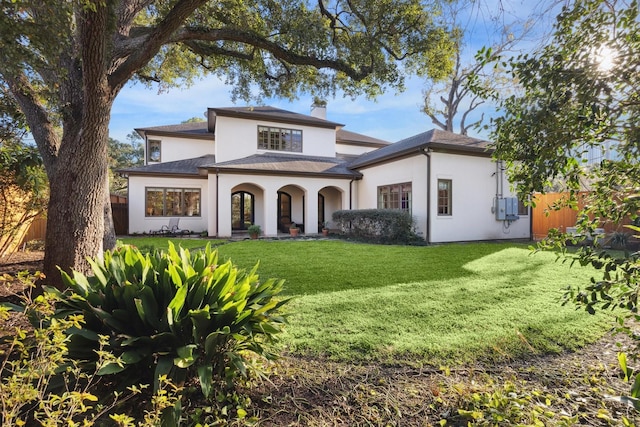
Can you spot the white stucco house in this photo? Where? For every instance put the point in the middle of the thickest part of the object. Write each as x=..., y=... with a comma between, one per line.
x=271, y=167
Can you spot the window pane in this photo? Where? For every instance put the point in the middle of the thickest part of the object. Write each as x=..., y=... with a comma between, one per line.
x=153, y=151
x=173, y=202
x=406, y=197
x=263, y=137
x=192, y=201
x=522, y=209
x=154, y=203
x=444, y=197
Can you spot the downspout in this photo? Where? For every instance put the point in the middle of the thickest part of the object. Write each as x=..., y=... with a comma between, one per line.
x=351, y=194
x=427, y=153
x=217, y=203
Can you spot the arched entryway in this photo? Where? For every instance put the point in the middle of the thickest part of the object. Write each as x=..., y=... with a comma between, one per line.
x=242, y=210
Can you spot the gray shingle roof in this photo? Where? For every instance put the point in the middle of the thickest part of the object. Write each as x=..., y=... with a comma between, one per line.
x=197, y=129
x=348, y=137
x=283, y=164
x=178, y=167
x=435, y=139
x=275, y=115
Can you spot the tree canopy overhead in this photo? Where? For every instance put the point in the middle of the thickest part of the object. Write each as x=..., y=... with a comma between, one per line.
x=64, y=62
x=581, y=96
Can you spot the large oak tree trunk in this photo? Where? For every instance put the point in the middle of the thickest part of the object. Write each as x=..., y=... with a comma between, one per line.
x=75, y=222
x=79, y=185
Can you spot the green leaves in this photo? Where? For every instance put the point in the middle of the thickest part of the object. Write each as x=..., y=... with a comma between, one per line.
x=174, y=313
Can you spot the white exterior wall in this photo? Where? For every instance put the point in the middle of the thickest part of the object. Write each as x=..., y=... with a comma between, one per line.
x=473, y=191
x=413, y=170
x=139, y=223
x=238, y=138
x=172, y=148
x=352, y=150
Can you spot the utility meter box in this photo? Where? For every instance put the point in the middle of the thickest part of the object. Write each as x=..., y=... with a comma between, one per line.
x=512, y=209
x=506, y=209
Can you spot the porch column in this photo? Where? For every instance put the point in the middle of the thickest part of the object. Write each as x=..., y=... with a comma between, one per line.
x=311, y=215
x=271, y=211
x=225, y=184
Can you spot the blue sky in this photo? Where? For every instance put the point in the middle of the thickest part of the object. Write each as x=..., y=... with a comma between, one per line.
x=390, y=117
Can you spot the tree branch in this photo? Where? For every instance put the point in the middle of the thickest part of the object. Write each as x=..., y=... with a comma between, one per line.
x=281, y=53
x=152, y=42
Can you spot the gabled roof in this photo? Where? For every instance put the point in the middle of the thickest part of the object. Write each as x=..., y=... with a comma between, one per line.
x=193, y=130
x=274, y=115
x=435, y=139
x=352, y=138
x=283, y=164
x=184, y=168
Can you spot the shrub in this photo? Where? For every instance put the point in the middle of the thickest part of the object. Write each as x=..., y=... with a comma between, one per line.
x=254, y=229
x=175, y=313
x=385, y=225
x=40, y=385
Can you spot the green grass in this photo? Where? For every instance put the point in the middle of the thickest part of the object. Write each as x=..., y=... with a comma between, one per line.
x=151, y=243
x=429, y=304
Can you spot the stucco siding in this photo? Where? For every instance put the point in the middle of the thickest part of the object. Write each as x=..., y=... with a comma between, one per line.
x=238, y=138
x=172, y=148
x=413, y=170
x=139, y=223
x=474, y=181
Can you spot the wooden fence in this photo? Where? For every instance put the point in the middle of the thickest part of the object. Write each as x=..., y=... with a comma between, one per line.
x=120, y=211
x=544, y=218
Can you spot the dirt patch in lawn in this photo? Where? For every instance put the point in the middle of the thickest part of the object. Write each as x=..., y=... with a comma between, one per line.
x=572, y=388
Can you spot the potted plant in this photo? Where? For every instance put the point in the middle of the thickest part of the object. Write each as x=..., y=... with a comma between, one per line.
x=254, y=231
x=325, y=228
x=293, y=229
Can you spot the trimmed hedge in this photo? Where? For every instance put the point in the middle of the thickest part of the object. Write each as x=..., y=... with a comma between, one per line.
x=382, y=225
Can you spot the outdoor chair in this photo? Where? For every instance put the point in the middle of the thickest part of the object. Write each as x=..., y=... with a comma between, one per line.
x=172, y=229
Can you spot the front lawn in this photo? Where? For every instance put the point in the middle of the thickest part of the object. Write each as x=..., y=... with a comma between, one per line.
x=429, y=304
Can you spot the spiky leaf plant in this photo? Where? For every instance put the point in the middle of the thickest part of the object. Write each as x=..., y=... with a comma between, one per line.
x=173, y=313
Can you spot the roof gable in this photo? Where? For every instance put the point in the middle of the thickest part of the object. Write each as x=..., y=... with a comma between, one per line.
x=434, y=139
x=271, y=114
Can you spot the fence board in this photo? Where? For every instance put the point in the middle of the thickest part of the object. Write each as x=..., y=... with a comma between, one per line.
x=545, y=218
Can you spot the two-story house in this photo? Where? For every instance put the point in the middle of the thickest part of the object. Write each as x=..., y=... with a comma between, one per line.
x=271, y=167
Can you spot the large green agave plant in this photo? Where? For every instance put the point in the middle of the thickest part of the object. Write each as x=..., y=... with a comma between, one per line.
x=173, y=313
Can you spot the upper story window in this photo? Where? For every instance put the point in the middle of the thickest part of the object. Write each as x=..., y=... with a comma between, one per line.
x=397, y=196
x=153, y=150
x=279, y=139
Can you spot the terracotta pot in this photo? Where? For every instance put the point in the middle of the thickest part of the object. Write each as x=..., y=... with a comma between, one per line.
x=325, y=232
x=294, y=231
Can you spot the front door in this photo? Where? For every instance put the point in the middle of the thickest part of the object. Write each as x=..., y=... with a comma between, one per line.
x=242, y=210
x=284, y=211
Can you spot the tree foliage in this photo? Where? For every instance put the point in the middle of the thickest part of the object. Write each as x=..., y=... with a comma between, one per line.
x=581, y=98
x=23, y=191
x=123, y=155
x=454, y=101
x=63, y=63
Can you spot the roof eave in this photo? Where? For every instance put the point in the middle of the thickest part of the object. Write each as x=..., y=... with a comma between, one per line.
x=216, y=169
x=266, y=117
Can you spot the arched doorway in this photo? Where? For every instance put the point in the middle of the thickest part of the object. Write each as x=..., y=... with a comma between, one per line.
x=242, y=210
